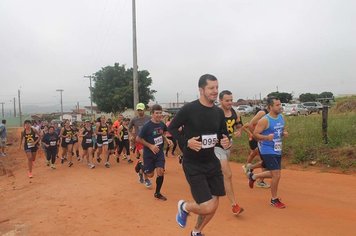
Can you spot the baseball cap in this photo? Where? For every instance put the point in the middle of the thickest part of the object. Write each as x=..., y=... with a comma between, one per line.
x=140, y=106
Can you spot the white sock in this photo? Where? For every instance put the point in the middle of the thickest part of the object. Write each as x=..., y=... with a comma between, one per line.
x=184, y=208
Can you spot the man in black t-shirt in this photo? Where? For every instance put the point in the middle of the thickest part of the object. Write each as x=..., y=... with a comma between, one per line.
x=204, y=127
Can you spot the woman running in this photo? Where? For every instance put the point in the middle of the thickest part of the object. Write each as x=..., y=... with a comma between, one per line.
x=102, y=138
x=124, y=139
x=111, y=144
x=50, y=141
x=67, y=142
x=87, y=143
x=75, y=130
x=30, y=144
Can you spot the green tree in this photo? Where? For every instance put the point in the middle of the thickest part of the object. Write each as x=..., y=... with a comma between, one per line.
x=326, y=95
x=283, y=97
x=308, y=97
x=113, y=88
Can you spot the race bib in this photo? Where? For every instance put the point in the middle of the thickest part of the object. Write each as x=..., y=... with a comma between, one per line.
x=209, y=140
x=30, y=145
x=67, y=140
x=158, y=140
x=277, y=146
x=52, y=143
x=126, y=136
x=88, y=140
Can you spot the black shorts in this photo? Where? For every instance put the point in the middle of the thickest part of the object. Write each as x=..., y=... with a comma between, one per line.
x=111, y=146
x=150, y=163
x=85, y=146
x=64, y=144
x=253, y=144
x=205, y=179
x=271, y=161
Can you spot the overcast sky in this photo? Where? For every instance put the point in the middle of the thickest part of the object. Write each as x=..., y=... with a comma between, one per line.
x=251, y=46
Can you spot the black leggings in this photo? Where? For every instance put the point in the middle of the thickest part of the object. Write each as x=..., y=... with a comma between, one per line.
x=51, y=155
x=124, y=144
x=174, y=141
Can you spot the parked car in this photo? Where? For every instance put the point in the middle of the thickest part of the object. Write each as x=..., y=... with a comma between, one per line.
x=295, y=110
x=313, y=107
x=244, y=109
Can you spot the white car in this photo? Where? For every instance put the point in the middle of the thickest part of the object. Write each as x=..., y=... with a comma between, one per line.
x=295, y=110
x=244, y=109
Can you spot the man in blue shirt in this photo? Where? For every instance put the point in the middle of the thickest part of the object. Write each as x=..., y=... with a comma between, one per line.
x=3, y=136
x=152, y=137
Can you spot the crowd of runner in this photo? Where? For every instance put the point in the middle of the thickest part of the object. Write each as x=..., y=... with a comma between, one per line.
x=203, y=132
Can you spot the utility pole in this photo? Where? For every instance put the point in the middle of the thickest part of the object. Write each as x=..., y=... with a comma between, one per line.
x=177, y=99
x=20, y=113
x=135, y=75
x=61, y=91
x=2, y=109
x=91, y=95
x=14, y=107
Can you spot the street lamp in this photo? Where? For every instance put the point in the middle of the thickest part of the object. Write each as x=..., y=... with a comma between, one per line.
x=61, y=91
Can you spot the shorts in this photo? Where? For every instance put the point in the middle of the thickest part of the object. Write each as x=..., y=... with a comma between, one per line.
x=34, y=149
x=253, y=144
x=139, y=146
x=64, y=144
x=205, y=179
x=221, y=153
x=75, y=141
x=2, y=142
x=85, y=146
x=101, y=144
x=150, y=163
x=271, y=161
x=111, y=146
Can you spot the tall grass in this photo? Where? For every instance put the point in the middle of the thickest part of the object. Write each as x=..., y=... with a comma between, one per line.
x=305, y=142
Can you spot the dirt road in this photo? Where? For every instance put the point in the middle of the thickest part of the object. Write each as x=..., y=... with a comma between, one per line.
x=80, y=201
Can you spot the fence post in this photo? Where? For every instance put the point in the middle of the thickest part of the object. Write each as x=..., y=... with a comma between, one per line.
x=325, y=123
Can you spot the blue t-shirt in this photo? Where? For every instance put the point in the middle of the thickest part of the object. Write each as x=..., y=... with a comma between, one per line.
x=153, y=133
x=2, y=131
x=276, y=127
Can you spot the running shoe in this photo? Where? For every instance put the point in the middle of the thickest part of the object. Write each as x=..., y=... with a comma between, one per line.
x=98, y=159
x=160, y=197
x=91, y=166
x=196, y=234
x=70, y=164
x=262, y=184
x=53, y=166
x=47, y=163
x=251, y=181
x=129, y=161
x=124, y=157
x=182, y=215
x=277, y=203
x=236, y=209
x=247, y=168
x=30, y=175
x=107, y=164
x=140, y=178
x=148, y=183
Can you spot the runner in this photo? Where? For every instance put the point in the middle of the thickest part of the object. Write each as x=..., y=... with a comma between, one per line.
x=30, y=144
x=87, y=143
x=151, y=136
x=269, y=132
x=124, y=141
x=111, y=144
x=75, y=151
x=3, y=136
x=204, y=126
x=50, y=141
x=135, y=127
x=170, y=137
x=233, y=125
x=102, y=138
x=116, y=126
x=66, y=142
x=249, y=128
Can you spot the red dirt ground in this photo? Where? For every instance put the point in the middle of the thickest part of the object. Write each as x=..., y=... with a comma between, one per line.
x=80, y=201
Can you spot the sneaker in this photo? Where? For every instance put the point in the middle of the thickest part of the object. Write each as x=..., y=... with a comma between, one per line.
x=91, y=166
x=196, y=234
x=124, y=157
x=129, y=161
x=247, y=168
x=53, y=166
x=30, y=175
x=236, y=209
x=70, y=164
x=250, y=180
x=107, y=164
x=98, y=159
x=262, y=184
x=2, y=154
x=148, y=183
x=140, y=179
x=182, y=215
x=277, y=203
x=160, y=197
x=47, y=163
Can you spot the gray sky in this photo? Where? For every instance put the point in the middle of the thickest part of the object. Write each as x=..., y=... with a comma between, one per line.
x=251, y=46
